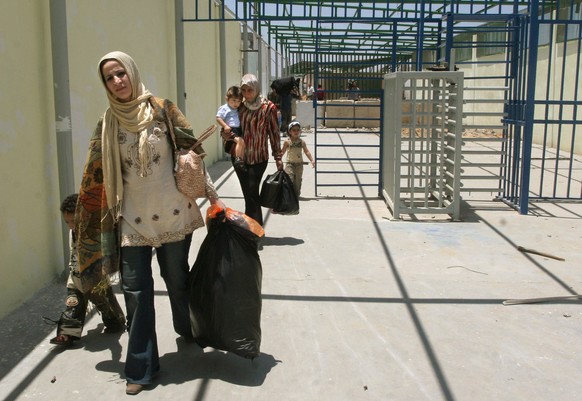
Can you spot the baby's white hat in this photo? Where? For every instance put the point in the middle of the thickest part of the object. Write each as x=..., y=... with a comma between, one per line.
x=293, y=123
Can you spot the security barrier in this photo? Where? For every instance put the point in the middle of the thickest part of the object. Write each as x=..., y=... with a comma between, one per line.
x=421, y=150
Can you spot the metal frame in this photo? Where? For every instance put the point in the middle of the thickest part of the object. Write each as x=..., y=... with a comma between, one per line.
x=422, y=150
x=411, y=35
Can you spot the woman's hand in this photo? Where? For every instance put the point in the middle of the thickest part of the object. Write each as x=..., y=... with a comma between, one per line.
x=217, y=202
x=225, y=135
x=279, y=164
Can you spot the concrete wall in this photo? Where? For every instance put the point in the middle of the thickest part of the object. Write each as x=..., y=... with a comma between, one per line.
x=30, y=221
x=369, y=110
x=31, y=247
x=93, y=31
x=305, y=113
x=339, y=114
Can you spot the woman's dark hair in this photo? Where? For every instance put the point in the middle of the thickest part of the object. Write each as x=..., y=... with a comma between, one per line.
x=69, y=204
x=101, y=68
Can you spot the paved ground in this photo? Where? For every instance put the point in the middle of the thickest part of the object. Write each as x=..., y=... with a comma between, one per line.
x=356, y=306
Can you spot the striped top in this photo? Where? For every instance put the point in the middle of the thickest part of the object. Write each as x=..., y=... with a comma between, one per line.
x=260, y=127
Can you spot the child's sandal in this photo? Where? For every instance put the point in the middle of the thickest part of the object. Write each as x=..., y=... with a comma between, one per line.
x=66, y=341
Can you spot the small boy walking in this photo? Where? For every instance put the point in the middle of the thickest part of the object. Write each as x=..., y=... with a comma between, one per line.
x=70, y=325
x=227, y=118
x=295, y=148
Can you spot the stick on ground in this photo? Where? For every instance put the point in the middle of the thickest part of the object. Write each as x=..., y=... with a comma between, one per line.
x=547, y=255
x=539, y=300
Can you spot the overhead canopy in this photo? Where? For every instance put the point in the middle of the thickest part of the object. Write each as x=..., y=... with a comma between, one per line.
x=376, y=28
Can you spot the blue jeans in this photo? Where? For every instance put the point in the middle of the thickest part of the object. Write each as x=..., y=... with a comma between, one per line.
x=142, y=362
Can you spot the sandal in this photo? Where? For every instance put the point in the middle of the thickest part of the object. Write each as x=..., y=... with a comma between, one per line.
x=63, y=340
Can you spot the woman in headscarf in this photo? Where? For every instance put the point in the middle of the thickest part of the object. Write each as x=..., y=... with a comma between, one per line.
x=259, y=125
x=129, y=204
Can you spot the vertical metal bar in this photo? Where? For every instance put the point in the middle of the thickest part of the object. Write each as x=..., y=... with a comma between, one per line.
x=180, y=59
x=222, y=58
x=440, y=143
x=222, y=10
x=276, y=62
x=534, y=28
x=458, y=146
x=521, y=95
x=60, y=61
x=449, y=37
x=551, y=49
x=396, y=165
x=420, y=37
x=315, y=84
x=512, y=108
x=509, y=106
x=222, y=48
x=394, y=41
x=412, y=137
x=381, y=144
x=260, y=73
x=574, y=112
x=439, y=43
x=245, y=33
x=561, y=110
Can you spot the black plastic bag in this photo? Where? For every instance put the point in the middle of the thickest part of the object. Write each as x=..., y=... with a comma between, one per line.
x=225, y=285
x=278, y=193
x=288, y=203
x=270, y=190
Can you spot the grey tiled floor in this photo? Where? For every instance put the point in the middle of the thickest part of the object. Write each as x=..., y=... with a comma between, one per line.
x=356, y=306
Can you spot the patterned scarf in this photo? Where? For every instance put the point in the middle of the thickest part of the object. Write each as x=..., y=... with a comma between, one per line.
x=134, y=115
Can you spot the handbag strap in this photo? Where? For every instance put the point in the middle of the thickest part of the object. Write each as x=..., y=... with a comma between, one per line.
x=203, y=136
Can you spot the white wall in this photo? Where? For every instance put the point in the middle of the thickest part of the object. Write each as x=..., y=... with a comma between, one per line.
x=93, y=31
x=30, y=250
x=30, y=222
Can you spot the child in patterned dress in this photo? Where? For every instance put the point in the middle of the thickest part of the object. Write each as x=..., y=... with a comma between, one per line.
x=72, y=320
x=295, y=148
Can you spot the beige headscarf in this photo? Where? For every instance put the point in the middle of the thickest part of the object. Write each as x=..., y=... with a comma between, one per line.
x=251, y=81
x=134, y=116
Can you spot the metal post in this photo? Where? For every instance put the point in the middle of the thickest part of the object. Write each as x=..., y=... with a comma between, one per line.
x=534, y=25
x=60, y=61
x=222, y=47
x=180, y=59
x=420, y=38
x=260, y=73
x=449, y=38
x=245, y=33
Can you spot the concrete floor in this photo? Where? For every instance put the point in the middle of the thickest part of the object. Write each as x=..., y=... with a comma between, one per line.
x=356, y=306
